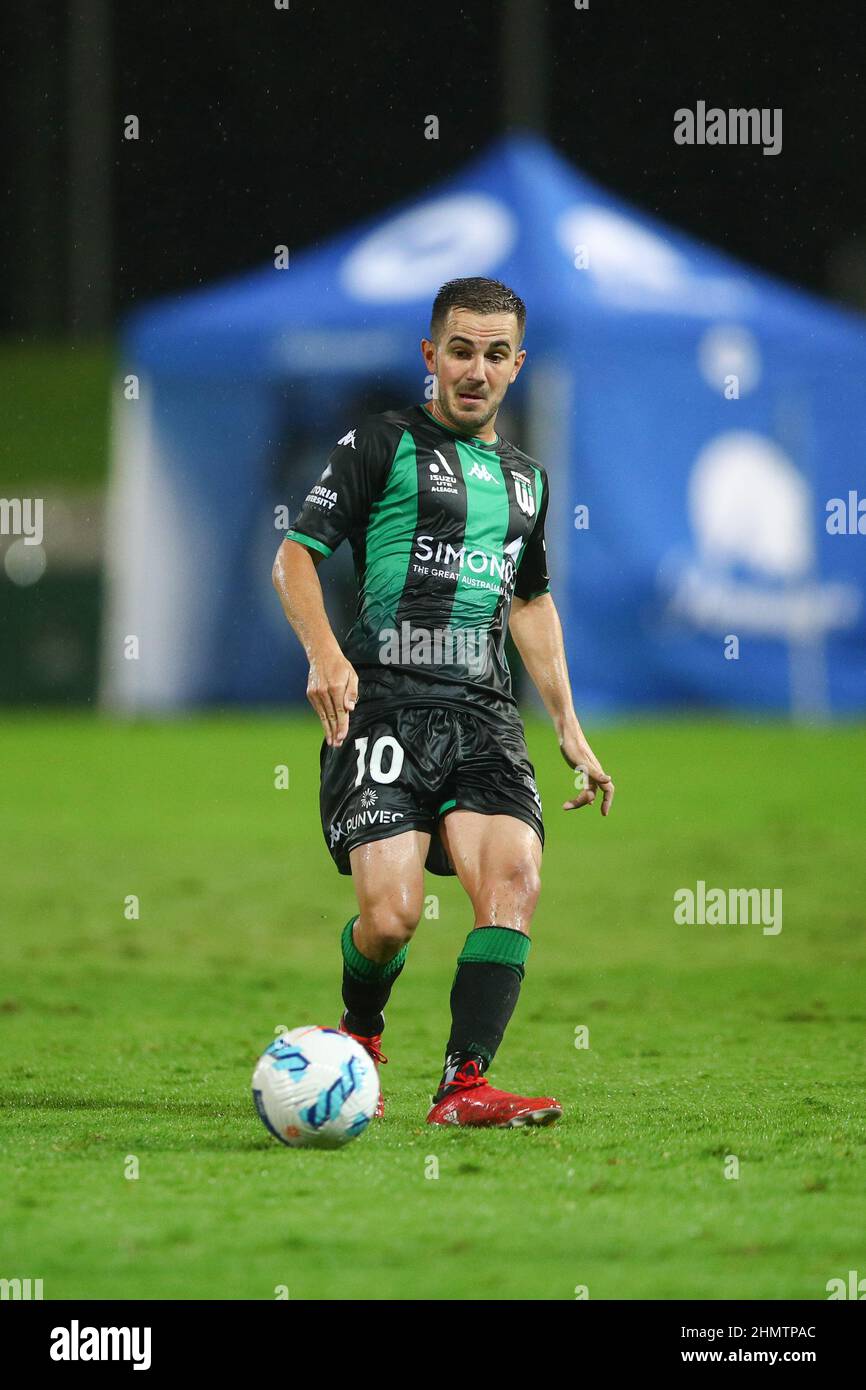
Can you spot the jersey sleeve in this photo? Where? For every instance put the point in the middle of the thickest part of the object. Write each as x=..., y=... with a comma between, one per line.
x=532, y=576
x=338, y=505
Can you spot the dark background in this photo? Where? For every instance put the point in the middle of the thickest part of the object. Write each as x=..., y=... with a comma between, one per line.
x=261, y=126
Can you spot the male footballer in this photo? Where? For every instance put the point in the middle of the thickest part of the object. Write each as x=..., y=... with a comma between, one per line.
x=424, y=762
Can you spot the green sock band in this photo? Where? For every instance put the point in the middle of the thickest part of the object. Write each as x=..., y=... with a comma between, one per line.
x=498, y=946
x=360, y=966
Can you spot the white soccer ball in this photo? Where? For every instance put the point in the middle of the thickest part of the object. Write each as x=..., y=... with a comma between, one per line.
x=315, y=1088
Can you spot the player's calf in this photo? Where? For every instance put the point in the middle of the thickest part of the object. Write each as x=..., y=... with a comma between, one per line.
x=367, y=982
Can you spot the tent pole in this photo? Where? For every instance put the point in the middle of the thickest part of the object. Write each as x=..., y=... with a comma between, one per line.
x=524, y=65
x=808, y=682
x=90, y=150
x=131, y=451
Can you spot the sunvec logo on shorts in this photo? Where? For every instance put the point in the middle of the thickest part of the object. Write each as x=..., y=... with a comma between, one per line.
x=77, y=1343
x=367, y=817
x=436, y=646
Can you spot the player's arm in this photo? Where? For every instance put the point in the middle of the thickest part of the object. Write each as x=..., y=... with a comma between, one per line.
x=534, y=624
x=337, y=506
x=332, y=685
x=537, y=633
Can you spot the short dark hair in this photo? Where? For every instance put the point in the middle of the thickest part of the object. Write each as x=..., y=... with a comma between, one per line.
x=482, y=297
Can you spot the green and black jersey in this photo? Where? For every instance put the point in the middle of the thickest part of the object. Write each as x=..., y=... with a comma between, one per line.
x=444, y=531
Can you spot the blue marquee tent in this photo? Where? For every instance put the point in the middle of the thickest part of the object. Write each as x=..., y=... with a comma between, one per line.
x=697, y=420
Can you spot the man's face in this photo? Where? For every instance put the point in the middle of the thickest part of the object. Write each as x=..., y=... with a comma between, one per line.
x=475, y=362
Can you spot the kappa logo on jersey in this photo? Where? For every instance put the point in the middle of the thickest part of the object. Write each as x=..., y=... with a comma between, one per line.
x=523, y=492
x=480, y=470
x=348, y=439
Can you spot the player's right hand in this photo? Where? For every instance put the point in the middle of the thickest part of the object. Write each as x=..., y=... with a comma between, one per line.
x=332, y=690
x=594, y=779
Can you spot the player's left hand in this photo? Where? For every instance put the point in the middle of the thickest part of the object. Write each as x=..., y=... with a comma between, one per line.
x=579, y=755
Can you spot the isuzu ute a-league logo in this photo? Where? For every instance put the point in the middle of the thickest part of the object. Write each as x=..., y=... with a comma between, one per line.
x=442, y=475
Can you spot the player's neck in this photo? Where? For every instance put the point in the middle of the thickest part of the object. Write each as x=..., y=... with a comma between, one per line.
x=488, y=434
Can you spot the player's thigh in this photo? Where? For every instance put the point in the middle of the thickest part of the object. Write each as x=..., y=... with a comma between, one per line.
x=497, y=859
x=388, y=876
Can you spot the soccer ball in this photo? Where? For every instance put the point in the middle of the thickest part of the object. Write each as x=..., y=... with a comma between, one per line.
x=315, y=1088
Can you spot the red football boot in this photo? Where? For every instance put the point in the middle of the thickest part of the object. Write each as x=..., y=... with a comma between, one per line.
x=374, y=1047
x=473, y=1101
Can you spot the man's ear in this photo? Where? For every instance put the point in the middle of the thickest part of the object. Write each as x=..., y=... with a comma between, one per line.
x=518, y=363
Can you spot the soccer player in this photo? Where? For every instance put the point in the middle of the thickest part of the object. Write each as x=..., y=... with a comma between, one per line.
x=424, y=761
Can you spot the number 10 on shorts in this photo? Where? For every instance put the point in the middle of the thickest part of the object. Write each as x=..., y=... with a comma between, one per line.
x=378, y=774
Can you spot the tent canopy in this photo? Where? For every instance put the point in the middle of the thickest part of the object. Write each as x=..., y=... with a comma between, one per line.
x=696, y=418
x=584, y=260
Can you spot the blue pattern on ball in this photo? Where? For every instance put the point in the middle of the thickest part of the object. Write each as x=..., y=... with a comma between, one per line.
x=289, y=1058
x=331, y=1100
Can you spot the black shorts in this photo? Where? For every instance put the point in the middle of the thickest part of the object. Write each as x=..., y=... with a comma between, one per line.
x=404, y=769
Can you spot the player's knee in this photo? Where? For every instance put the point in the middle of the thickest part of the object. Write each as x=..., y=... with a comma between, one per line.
x=390, y=925
x=518, y=883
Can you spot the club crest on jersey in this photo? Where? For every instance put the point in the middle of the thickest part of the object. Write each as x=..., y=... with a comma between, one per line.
x=523, y=493
x=480, y=470
x=348, y=439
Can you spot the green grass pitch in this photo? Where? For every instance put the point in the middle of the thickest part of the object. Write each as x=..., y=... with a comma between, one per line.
x=130, y=1043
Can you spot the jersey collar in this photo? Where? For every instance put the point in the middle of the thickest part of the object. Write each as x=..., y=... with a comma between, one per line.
x=477, y=443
